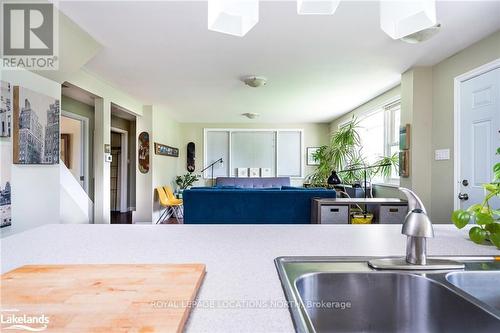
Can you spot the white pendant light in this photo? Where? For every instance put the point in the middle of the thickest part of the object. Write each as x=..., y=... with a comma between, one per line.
x=233, y=17
x=317, y=7
x=402, y=18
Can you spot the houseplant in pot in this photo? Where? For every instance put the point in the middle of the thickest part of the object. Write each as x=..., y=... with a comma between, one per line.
x=345, y=152
x=185, y=181
x=486, y=217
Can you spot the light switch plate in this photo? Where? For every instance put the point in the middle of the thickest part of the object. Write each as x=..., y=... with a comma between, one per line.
x=441, y=154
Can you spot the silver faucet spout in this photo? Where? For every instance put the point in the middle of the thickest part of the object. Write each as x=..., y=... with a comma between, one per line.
x=417, y=227
x=414, y=201
x=416, y=250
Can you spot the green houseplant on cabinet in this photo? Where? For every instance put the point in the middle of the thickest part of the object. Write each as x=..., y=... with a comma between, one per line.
x=487, y=218
x=345, y=152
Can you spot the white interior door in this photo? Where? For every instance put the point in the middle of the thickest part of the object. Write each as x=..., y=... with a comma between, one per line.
x=479, y=136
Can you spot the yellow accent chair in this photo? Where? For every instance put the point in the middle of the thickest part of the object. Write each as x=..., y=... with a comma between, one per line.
x=172, y=205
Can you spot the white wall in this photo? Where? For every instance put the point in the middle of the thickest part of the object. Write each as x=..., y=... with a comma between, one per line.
x=35, y=188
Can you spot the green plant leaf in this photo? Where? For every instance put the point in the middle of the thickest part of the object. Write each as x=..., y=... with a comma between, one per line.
x=483, y=218
x=493, y=188
x=477, y=235
x=493, y=228
x=460, y=218
x=498, y=150
x=495, y=239
x=476, y=208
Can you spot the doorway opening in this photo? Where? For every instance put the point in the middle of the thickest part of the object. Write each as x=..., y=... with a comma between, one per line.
x=75, y=146
x=122, y=168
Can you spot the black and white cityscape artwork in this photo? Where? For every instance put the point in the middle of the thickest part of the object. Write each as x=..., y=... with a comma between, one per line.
x=5, y=189
x=5, y=109
x=37, y=139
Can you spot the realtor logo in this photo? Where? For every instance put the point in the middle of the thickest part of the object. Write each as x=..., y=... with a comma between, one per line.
x=29, y=35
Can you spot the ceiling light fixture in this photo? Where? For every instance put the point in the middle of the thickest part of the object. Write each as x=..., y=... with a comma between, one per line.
x=254, y=81
x=317, y=7
x=402, y=18
x=233, y=17
x=251, y=115
x=421, y=36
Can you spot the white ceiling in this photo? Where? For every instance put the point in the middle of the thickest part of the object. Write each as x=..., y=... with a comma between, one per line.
x=318, y=67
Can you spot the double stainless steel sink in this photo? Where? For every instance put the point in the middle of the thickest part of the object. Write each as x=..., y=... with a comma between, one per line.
x=332, y=294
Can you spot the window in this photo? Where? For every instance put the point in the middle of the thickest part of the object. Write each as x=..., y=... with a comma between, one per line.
x=253, y=149
x=216, y=146
x=280, y=151
x=379, y=134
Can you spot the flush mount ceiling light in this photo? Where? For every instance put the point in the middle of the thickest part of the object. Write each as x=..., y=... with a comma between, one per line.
x=233, y=17
x=254, y=81
x=402, y=18
x=250, y=115
x=317, y=7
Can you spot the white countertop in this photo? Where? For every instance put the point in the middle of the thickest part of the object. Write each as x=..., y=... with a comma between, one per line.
x=239, y=258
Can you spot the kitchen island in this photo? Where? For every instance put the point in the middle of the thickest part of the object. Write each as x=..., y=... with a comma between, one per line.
x=241, y=291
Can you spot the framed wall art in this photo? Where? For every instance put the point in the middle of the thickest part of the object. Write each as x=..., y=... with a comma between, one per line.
x=5, y=109
x=310, y=156
x=165, y=150
x=254, y=172
x=5, y=184
x=36, y=128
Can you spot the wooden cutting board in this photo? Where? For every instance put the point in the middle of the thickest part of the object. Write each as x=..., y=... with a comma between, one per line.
x=103, y=298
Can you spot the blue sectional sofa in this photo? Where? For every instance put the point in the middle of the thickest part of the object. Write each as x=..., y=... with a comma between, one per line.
x=231, y=205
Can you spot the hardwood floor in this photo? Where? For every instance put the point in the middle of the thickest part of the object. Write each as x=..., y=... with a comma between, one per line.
x=126, y=218
x=171, y=220
x=121, y=218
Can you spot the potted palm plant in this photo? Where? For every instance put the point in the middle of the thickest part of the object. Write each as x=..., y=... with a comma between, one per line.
x=344, y=152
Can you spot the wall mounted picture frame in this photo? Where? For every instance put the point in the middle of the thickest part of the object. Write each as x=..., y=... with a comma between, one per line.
x=404, y=137
x=161, y=149
x=36, y=130
x=6, y=105
x=404, y=163
x=5, y=184
x=310, y=155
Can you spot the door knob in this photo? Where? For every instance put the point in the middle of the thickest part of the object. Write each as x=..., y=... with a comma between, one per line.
x=463, y=196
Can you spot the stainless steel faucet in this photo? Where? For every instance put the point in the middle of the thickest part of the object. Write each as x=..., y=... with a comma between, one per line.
x=417, y=227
